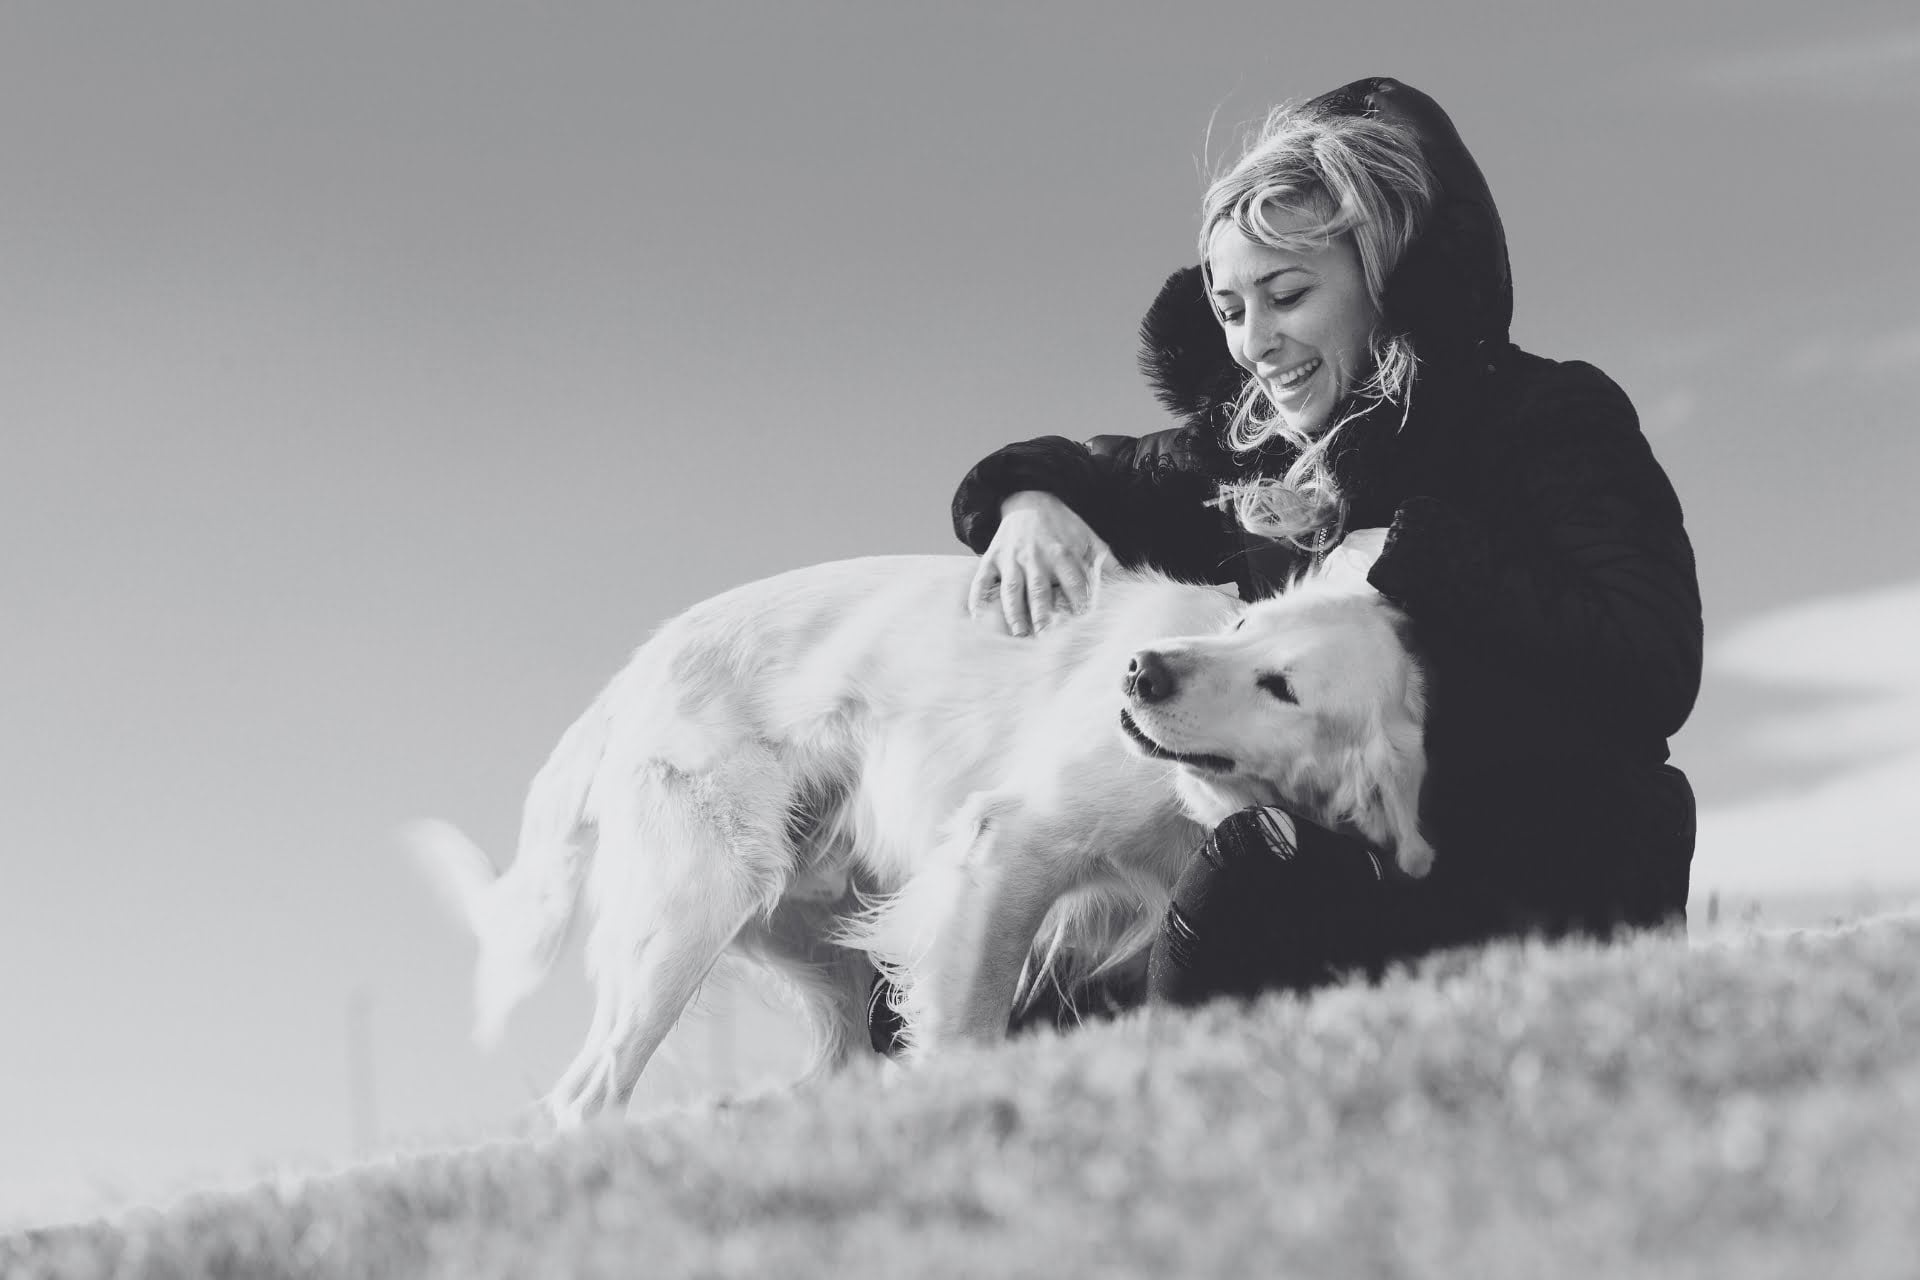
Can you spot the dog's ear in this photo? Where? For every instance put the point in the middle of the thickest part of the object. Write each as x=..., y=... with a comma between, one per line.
x=1404, y=775
x=1382, y=773
x=1399, y=794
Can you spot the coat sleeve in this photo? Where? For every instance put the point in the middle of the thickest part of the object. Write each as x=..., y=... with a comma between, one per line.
x=1583, y=579
x=1146, y=496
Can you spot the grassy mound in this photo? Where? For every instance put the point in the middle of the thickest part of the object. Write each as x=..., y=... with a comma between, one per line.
x=1743, y=1106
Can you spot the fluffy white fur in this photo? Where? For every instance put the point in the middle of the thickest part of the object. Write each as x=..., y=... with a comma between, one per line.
x=837, y=768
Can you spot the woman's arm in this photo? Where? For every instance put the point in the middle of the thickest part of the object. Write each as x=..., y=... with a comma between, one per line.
x=1584, y=581
x=1144, y=496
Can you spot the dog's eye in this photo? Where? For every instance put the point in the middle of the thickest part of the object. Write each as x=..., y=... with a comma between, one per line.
x=1240, y=624
x=1276, y=684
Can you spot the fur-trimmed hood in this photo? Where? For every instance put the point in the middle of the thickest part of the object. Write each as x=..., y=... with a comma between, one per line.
x=1452, y=292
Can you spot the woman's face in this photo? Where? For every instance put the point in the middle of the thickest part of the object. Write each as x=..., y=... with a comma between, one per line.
x=1299, y=322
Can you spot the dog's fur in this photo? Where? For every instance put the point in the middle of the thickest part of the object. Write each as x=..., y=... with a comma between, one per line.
x=837, y=768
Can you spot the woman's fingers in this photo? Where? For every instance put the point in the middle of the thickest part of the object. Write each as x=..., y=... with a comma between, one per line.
x=1013, y=603
x=1034, y=594
x=1074, y=585
x=1039, y=595
x=1001, y=575
x=985, y=578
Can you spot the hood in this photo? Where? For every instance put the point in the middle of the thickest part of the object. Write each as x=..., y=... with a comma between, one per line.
x=1452, y=292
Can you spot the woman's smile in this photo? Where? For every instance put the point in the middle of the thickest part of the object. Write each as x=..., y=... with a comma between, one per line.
x=1286, y=382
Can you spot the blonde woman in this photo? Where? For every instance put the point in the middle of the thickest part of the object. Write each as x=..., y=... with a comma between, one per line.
x=1339, y=361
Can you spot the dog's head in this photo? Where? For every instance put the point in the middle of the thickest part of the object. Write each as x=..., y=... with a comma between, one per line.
x=1312, y=702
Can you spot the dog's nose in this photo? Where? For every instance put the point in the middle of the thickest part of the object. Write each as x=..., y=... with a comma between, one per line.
x=1149, y=678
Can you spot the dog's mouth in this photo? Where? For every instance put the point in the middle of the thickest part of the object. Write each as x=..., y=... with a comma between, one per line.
x=1198, y=760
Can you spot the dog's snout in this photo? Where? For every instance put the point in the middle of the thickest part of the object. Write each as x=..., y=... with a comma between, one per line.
x=1149, y=678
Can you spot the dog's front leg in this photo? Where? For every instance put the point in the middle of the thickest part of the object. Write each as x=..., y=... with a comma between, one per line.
x=982, y=907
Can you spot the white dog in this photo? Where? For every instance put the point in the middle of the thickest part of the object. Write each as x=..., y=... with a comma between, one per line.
x=837, y=768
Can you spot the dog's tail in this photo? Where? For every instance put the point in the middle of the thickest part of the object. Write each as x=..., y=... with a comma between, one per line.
x=521, y=918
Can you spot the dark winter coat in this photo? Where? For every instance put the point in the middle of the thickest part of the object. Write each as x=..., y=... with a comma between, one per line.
x=1535, y=543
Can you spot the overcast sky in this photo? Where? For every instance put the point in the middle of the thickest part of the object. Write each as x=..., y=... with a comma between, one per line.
x=373, y=377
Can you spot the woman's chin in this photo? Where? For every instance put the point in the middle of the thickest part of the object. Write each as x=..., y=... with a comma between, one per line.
x=1305, y=420
x=1304, y=412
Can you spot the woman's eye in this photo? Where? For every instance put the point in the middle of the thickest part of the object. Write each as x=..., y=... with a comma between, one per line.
x=1228, y=317
x=1290, y=299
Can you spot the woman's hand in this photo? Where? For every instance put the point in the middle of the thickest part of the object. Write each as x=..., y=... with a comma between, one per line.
x=1365, y=544
x=1041, y=547
x=1355, y=555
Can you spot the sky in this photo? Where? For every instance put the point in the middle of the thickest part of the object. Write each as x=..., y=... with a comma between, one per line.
x=374, y=377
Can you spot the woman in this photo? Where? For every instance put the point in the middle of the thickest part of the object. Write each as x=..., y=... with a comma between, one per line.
x=1355, y=265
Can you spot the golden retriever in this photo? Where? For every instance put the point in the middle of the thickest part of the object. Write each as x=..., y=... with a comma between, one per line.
x=837, y=768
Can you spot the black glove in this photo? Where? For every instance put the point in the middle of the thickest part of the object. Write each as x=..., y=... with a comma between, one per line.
x=1258, y=910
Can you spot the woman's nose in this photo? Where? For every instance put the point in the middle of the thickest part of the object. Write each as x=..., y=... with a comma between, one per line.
x=1258, y=340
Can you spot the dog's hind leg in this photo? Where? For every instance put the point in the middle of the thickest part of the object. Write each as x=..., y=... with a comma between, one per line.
x=645, y=1000
x=680, y=871
x=592, y=1058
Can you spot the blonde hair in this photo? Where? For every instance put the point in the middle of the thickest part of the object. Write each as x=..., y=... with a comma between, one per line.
x=1345, y=175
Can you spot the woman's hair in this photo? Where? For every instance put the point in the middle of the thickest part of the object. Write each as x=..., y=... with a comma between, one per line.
x=1350, y=175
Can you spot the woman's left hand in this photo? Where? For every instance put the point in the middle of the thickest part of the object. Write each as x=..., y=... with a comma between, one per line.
x=1355, y=555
